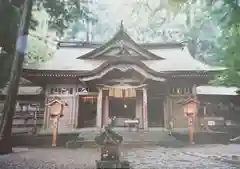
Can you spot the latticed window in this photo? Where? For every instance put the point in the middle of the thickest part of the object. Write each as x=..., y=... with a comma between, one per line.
x=61, y=91
x=181, y=90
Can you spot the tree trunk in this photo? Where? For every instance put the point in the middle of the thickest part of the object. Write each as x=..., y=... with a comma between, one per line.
x=9, y=108
x=6, y=60
x=11, y=98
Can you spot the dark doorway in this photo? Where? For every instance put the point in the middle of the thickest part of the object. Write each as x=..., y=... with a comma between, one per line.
x=155, y=112
x=122, y=108
x=87, y=111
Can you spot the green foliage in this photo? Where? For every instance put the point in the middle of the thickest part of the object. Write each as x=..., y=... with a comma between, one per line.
x=228, y=14
x=39, y=50
x=213, y=33
x=224, y=47
x=75, y=28
x=64, y=13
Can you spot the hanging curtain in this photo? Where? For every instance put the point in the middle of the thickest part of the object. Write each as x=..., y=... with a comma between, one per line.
x=111, y=92
x=118, y=92
x=122, y=93
x=132, y=92
x=126, y=93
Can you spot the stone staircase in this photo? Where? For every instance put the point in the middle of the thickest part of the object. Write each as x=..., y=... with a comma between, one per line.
x=136, y=138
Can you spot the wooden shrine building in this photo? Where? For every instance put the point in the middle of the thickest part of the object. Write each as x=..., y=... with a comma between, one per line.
x=120, y=78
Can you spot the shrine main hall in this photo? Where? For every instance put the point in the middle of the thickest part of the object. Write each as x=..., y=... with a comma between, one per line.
x=121, y=79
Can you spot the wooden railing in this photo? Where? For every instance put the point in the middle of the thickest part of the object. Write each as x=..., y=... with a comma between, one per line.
x=27, y=122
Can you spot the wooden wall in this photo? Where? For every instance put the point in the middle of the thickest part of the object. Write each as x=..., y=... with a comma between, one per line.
x=69, y=120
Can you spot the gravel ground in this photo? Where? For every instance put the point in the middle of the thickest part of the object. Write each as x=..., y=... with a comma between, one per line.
x=140, y=158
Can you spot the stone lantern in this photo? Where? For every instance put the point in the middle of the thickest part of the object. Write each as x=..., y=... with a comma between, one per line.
x=109, y=142
x=190, y=107
x=56, y=107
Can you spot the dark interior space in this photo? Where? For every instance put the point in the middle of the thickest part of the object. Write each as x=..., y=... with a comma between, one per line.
x=122, y=108
x=220, y=106
x=155, y=112
x=87, y=110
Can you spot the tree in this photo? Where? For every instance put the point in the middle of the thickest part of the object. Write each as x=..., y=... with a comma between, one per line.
x=68, y=14
x=8, y=34
x=40, y=50
x=224, y=51
x=229, y=40
x=17, y=64
x=62, y=15
x=215, y=36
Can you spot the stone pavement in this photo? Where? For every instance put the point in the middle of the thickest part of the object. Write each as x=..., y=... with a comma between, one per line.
x=217, y=152
x=140, y=158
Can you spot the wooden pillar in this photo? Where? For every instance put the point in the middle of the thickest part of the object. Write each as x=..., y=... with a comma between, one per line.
x=195, y=120
x=194, y=91
x=145, y=111
x=76, y=111
x=46, y=116
x=139, y=108
x=65, y=123
x=205, y=110
x=55, y=131
x=106, y=110
x=99, y=109
x=166, y=111
x=190, y=130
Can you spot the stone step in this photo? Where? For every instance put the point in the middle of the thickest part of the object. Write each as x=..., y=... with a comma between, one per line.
x=131, y=136
x=42, y=140
x=131, y=144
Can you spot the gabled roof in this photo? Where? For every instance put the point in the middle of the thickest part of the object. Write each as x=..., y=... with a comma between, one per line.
x=191, y=100
x=176, y=60
x=56, y=100
x=84, y=59
x=121, y=45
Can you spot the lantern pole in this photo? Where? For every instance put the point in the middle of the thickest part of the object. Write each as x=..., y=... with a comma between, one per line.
x=190, y=129
x=190, y=108
x=55, y=131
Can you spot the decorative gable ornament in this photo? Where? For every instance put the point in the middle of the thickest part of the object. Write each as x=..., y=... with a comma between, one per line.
x=121, y=46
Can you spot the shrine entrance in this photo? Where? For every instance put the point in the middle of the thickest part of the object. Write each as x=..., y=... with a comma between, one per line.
x=155, y=112
x=122, y=108
x=125, y=102
x=87, y=110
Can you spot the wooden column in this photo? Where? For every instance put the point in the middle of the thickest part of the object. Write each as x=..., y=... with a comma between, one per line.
x=205, y=110
x=99, y=109
x=55, y=131
x=106, y=110
x=139, y=108
x=65, y=122
x=45, y=117
x=195, y=119
x=166, y=111
x=145, y=111
x=76, y=111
